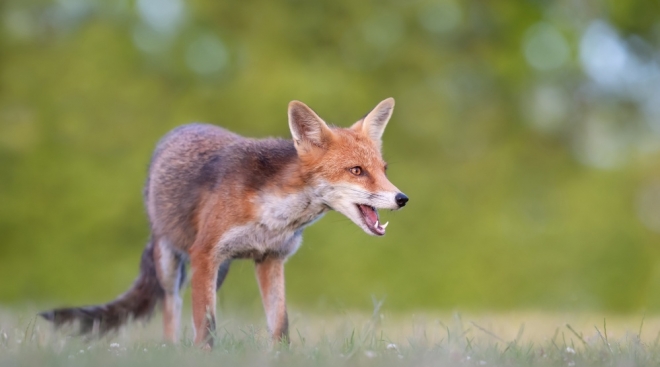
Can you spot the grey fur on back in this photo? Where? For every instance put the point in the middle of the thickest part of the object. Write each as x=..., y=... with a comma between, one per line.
x=195, y=158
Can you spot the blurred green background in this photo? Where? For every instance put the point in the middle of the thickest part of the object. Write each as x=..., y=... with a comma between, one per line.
x=526, y=133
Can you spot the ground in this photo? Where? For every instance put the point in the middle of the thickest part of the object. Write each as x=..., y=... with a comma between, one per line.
x=353, y=339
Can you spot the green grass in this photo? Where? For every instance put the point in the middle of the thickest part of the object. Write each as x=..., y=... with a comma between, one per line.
x=347, y=339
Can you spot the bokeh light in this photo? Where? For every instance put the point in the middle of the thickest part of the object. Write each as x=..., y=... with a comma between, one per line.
x=545, y=47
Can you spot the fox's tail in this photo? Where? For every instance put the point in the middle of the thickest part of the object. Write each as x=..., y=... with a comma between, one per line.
x=138, y=302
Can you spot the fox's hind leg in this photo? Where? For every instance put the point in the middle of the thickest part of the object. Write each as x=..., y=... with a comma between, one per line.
x=222, y=274
x=171, y=275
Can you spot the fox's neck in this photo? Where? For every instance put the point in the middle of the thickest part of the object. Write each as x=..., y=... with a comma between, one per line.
x=295, y=201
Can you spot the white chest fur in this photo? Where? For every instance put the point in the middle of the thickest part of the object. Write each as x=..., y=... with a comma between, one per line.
x=278, y=227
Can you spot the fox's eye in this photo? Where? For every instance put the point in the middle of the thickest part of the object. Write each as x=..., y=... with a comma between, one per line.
x=357, y=170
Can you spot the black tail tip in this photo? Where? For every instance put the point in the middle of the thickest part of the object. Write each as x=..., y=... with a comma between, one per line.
x=59, y=316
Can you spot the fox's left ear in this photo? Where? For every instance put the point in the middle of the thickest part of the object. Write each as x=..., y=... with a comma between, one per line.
x=373, y=125
x=308, y=130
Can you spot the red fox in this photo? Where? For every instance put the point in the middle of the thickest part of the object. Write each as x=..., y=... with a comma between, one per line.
x=213, y=196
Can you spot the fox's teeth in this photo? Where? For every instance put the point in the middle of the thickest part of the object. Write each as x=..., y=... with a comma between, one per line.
x=385, y=225
x=377, y=224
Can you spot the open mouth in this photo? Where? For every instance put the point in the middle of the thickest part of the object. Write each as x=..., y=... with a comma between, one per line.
x=370, y=218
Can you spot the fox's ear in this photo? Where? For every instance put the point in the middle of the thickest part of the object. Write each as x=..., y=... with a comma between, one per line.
x=373, y=125
x=307, y=128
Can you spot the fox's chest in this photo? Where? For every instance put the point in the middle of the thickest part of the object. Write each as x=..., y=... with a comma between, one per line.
x=277, y=227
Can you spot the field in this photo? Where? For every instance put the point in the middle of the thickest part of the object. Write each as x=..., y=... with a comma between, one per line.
x=353, y=339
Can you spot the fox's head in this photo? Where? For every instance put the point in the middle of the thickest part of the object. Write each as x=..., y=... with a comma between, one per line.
x=346, y=164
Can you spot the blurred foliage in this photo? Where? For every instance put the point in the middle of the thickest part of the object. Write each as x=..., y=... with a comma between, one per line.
x=526, y=135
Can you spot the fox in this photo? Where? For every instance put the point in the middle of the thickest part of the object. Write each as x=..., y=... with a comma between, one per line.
x=213, y=196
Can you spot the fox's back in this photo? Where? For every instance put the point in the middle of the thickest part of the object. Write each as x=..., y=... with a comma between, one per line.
x=196, y=163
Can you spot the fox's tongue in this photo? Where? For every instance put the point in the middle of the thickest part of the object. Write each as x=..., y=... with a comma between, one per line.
x=369, y=214
x=371, y=219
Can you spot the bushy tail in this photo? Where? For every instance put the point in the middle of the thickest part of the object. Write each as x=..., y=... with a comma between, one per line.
x=138, y=302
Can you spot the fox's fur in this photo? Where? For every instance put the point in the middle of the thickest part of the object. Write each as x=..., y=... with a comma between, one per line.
x=213, y=196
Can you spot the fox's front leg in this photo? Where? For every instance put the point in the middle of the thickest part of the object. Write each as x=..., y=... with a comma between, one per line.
x=204, y=263
x=270, y=275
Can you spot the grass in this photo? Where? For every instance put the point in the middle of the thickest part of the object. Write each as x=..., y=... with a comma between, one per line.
x=346, y=339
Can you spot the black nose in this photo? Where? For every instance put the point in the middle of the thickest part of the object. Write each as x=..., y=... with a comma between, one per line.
x=401, y=199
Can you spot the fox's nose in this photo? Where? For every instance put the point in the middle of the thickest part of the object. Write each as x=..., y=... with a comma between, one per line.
x=401, y=199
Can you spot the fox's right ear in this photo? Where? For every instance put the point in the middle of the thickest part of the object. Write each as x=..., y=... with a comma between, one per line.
x=374, y=123
x=307, y=128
